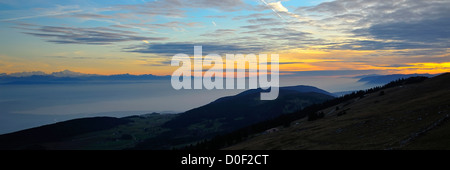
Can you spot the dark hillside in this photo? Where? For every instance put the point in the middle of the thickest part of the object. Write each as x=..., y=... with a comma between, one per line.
x=410, y=113
x=27, y=139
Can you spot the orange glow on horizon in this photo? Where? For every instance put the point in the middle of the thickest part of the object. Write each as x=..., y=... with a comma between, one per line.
x=302, y=60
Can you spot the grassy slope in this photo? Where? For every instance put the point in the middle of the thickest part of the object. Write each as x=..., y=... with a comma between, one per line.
x=120, y=137
x=435, y=139
x=373, y=122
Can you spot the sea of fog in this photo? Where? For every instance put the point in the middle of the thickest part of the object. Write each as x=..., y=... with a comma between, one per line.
x=31, y=105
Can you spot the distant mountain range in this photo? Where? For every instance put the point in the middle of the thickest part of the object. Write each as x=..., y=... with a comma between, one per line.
x=384, y=79
x=67, y=76
x=64, y=73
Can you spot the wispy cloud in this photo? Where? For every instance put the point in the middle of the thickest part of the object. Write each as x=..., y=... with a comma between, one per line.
x=176, y=8
x=90, y=36
x=220, y=32
x=330, y=72
x=171, y=49
x=47, y=14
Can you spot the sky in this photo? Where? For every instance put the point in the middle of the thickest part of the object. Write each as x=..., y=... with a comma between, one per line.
x=317, y=37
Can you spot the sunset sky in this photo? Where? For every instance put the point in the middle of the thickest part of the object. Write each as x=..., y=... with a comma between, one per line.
x=317, y=37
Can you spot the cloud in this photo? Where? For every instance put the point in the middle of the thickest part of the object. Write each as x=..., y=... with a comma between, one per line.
x=288, y=38
x=58, y=57
x=156, y=62
x=251, y=16
x=397, y=65
x=422, y=52
x=174, y=24
x=220, y=32
x=369, y=12
x=282, y=37
x=251, y=27
x=425, y=59
x=225, y=5
x=277, y=6
x=434, y=31
x=378, y=45
x=283, y=34
x=286, y=63
x=216, y=16
x=171, y=49
x=383, y=24
x=90, y=36
x=262, y=20
x=39, y=16
x=57, y=10
x=330, y=72
x=176, y=8
x=90, y=16
x=286, y=34
x=334, y=7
